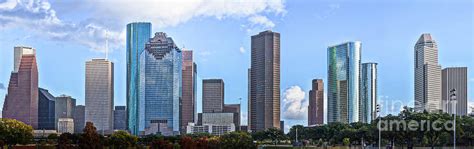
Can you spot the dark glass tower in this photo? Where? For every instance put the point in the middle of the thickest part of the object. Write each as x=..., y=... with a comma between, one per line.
x=46, y=114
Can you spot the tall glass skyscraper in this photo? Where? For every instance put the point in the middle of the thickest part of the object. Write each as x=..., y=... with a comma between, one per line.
x=368, y=92
x=138, y=35
x=160, y=87
x=343, y=82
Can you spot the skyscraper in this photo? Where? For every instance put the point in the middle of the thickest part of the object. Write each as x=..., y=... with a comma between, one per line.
x=64, y=107
x=455, y=78
x=427, y=75
x=46, y=110
x=234, y=108
x=21, y=101
x=79, y=118
x=120, y=118
x=343, y=82
x=138, y=34
x=212, y=95
x=188, y=102
x=316, y=103
x=368, y=92
x=160, y=86
x=100, y=93
x=264, y=103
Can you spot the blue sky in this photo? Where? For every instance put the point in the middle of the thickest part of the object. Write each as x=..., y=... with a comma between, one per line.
x=68, y=33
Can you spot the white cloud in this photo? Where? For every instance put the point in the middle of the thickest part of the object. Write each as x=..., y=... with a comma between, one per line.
x=470, y=107
x=243, y=119
x=242, y=50
x=295, y=107
x=41, y=17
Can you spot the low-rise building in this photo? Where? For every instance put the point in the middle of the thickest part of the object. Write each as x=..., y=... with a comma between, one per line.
x=65, y=125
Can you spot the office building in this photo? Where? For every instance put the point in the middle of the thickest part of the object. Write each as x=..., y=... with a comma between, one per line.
x=316, y=103
x=160, y=86
x=46, y=110
x=282, y=125
x=79, y=118
x=64, y=107
x=368, y=93
x=188, y=101
x=455, y=78
x=100, y=93
x=120, y=118
x=212, y=95
x=343, y=82
x=264, y=88
x=138, y=34
x=21, y=101
x=65, y=125
x=427, y=75
x=235, y=109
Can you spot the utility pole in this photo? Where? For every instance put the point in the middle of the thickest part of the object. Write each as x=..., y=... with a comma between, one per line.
x=379, y=125
x=453, y=100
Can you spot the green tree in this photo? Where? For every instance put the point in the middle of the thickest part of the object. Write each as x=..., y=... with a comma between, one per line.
x=301, y=133
x=122, y=139
x=237, y=140
x=14, y=132
x=90, y=138
x=275, y=134
x=65, y=141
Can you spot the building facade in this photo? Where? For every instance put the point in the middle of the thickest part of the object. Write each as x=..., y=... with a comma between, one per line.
x=79, y=118
x=235, y=109
x=455, y=78
x=160, y=86
x=65, y=125
x=427, y=75
x=21, y=101
x=368, y=93
x=264, y=80
x=46, y=110
x=316, y=103
x=64, y=107
x=188, y=102
x=212, y=95
x=138, y=34
x=100, y=93
x=343, y=82
x=120, y=118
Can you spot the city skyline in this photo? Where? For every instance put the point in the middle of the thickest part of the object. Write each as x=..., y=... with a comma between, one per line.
x=388, y=41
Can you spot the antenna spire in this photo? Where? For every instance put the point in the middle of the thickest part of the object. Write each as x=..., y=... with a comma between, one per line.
x=106, y=45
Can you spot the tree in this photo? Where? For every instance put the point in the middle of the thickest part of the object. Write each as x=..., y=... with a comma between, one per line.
x=275, y=134
x=90, y=138
x=122, y=139
x=237, y=140
x=301, y=132
x=187, y=142
x=14, y=132
x=65, y=141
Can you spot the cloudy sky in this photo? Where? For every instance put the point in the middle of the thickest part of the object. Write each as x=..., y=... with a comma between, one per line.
x=68, y=33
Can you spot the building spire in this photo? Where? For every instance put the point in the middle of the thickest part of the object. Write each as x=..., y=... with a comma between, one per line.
x=106, y=45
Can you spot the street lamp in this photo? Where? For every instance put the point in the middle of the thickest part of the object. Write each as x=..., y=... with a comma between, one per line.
x=453, y=100
x=379, y=124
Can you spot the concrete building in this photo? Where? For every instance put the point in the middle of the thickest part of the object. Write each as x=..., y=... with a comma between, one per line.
x=188, y=101
x=138, y=34
x=160, y=87
x=427, y=75
x=455, y=78
x=65, y=125
x=100, y=93
x=368, y=93
x=79, y=118
x=64, y=107
x=46, y=110
x=235, y=109
x=212, y=95
x=264, y=80
x=316, y=103
x=214, y=123
x=21, y=101
x=120, y=118
x=343, y=81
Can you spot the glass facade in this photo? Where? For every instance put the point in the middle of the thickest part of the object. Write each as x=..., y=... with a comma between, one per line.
x=343, y=82
x=160, y=85
x=368, y=92
x=46, y=108
x=138, y=35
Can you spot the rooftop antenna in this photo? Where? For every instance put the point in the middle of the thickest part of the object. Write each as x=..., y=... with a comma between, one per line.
x=106, y=45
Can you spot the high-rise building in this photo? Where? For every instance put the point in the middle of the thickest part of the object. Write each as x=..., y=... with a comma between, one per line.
x=316, y=103
x=160, y=86
x=234, y=108
x=427, y=75
x=343, y=82
x=46, y=110
x=64, y=107
x=120, y=118
x=100, y=94
x=368, y=92
x=455, y=78
x=188, y=102
x=79, y=118
x=282, y=125
x=138, y=34
x=21, y=101
x=264, y=103
x=212, y=95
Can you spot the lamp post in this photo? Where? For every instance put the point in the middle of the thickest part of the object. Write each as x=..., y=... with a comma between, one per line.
x=379, y=125
x=453, y=100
